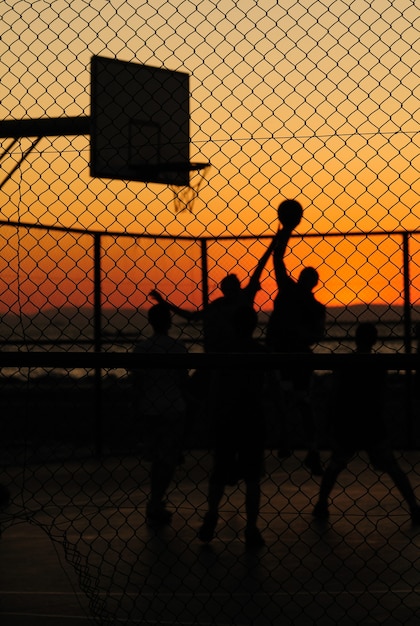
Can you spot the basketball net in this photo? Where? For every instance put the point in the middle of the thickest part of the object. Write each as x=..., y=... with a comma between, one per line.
x=184, y=197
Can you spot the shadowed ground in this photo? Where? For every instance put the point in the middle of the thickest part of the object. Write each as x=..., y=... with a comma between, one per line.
x=75, y=550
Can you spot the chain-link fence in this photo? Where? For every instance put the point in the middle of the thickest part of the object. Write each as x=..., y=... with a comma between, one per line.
x=311, y=100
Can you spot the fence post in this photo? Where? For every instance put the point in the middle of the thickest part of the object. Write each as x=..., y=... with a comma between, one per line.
x=205, y=271
x=407, y=337
x=97, y=338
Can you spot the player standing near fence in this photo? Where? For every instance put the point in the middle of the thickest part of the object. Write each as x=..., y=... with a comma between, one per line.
x=295, y=324
x=357, y=423
x=161, y=404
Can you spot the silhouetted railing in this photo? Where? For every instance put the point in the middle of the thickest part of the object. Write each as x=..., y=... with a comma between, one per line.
x=97, y=359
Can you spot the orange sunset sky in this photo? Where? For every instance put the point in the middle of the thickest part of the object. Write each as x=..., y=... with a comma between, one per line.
x=312, y=100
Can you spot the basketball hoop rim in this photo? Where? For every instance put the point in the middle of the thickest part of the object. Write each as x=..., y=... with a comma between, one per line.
x=163, y=172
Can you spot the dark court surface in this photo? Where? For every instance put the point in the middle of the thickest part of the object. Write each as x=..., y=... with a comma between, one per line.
x=82, y=554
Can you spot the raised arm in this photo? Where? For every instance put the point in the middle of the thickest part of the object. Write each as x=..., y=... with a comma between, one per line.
x=185, y=313
x=254, y=281
x=279, y=251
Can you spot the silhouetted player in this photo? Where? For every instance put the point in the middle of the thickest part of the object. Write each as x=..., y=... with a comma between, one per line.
x=238, y=430
x=358, y=424
x=217, y=315
x=295, y=324
x=160, y=394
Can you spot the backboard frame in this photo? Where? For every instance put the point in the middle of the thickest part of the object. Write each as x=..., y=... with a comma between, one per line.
x=140, y=123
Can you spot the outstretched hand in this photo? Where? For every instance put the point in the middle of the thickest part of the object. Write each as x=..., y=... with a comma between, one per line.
x=155, y=295
x=287, y=229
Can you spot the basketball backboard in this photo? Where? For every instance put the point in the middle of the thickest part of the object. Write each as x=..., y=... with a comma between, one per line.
x=140, y=123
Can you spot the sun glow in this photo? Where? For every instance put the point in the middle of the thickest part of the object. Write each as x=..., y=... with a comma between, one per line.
x=286, y=102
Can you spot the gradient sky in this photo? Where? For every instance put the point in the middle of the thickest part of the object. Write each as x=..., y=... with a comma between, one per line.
x=314, y=100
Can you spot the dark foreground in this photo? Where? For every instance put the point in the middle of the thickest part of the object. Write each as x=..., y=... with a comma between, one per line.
x=58, y=414
x=82, y=554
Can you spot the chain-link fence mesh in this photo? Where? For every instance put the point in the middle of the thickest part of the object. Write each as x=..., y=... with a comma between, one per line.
x=311, y=100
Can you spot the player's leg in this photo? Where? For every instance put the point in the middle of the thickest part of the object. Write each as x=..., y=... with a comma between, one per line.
x=383, y=459
x=338, y=462
x=223, y=458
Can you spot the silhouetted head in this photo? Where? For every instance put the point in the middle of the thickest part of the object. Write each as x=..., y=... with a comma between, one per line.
x=230, y=285
x=308, y=278
x=366, y=336
x=159, y=317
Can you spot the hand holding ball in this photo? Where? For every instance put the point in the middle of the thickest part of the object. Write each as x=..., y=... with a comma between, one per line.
x=290, y=213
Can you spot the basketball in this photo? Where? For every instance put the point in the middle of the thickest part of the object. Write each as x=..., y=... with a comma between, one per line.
x=290, y=213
